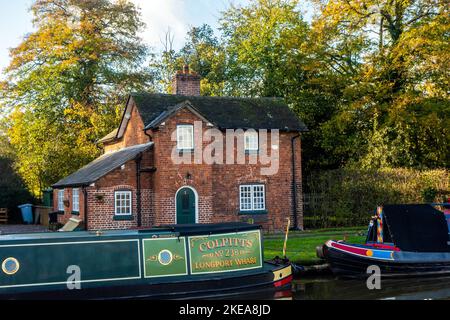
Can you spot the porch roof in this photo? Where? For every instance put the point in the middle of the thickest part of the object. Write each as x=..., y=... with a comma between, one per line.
x=101, y=166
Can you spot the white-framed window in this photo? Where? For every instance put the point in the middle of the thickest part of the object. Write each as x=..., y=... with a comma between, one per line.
x=122, y=203
x=185, y=137
x=61, y=200
x=252, y=197
x=251, y=140
x=76, y=200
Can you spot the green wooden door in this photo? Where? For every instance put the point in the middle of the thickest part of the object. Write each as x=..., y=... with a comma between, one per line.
x=185, y=206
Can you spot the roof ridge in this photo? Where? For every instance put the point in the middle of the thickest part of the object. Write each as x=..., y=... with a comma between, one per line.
x=206, y=97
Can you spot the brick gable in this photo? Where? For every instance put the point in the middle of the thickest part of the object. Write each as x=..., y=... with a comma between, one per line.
x=133, y=134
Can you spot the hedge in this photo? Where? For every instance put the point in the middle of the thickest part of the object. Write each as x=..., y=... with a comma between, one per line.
x=348, y=197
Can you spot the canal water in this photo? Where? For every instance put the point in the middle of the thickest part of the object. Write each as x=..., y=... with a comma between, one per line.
x=331, y=288
x=391, y=289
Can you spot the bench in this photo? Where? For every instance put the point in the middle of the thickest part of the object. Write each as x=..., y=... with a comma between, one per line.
x=4, y=215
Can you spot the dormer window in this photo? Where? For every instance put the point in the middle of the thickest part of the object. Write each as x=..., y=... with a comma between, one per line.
x=185, y=137
x=251, y=141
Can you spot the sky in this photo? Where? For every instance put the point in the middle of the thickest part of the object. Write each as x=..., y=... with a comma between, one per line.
x=159, y=15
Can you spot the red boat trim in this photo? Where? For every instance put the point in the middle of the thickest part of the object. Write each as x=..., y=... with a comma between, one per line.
x=283, y=282
x=362, y=252
x=383, y=246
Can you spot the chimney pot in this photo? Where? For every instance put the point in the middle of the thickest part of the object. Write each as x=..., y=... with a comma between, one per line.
x=186, y=69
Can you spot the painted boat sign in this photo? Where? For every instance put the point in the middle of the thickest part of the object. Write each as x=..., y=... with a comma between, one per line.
x=225, y=252
x=165, y=257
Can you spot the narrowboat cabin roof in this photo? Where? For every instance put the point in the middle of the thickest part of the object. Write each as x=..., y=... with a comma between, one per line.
x=176, y=230
x=188, y=229
x=415, y=227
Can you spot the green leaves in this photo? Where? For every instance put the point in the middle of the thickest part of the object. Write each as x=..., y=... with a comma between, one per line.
x=369, y=78
x=399, y=48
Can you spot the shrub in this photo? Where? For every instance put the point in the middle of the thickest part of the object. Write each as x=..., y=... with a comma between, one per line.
x=348, y=197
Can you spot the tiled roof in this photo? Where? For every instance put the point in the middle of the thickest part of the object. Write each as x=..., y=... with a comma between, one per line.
x=102, y=166
x=224, y=112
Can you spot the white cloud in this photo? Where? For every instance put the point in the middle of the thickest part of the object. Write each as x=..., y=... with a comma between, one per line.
x=159, y=16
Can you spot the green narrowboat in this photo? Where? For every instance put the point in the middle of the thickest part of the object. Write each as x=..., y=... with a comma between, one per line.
x=179, y=261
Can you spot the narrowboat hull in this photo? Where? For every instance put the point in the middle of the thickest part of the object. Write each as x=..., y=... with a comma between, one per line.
x=175, y=262
x=200, y=288
x=350, y=260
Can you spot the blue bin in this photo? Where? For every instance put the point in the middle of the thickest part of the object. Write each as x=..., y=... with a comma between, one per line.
x=27, y=213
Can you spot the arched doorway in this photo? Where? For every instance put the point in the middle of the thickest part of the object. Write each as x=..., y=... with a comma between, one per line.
x=186, y=204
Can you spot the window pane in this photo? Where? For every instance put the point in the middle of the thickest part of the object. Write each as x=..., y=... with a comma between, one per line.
x=251, y=141
x=245, y=197
x=258, y=197
x=185, y=137
x=123, y=203
x=75, y=200
x=61, y=200
x=252, y=197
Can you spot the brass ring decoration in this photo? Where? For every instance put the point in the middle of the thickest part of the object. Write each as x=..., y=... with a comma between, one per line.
x=10, y=266
x=165, y=257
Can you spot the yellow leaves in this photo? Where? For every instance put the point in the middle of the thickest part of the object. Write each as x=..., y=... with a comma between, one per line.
x=65, y=79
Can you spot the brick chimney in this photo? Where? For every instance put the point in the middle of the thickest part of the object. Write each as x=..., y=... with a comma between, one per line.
x=186, y=83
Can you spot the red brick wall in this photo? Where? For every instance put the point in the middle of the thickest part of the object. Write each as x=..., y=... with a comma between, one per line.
x=170, y=177
x=100, y=198
x=101, y=208
x=101, y=211
x=278, y=189
x=68, y=210
x=218, y=185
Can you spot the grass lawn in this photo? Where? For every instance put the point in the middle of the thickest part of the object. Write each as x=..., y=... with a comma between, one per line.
x=301, y=245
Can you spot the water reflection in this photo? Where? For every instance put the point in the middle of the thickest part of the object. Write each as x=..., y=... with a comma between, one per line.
x=330, y=288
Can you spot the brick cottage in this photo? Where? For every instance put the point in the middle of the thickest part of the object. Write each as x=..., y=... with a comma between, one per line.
x=138, y=181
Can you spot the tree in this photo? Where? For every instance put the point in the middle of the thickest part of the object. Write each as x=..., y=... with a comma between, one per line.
x=67, y=82
x=202, y=51
x=265, y=44
x=395, y=108
x=272, y=51
x=206, y=55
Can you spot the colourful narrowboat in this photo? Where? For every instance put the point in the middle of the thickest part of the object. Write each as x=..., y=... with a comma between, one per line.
x=179, y=261
x=402, y=240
